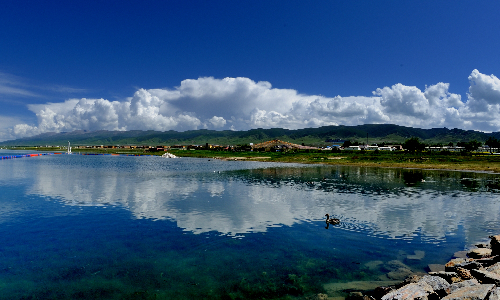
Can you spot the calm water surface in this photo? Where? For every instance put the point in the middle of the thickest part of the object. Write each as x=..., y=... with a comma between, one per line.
x=118, y=227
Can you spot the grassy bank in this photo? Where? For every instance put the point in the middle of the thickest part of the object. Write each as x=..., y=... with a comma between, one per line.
x=451, y=161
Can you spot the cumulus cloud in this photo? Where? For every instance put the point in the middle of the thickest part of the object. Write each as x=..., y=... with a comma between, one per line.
x=482, y=109
x=217, y=122
x=242, y=104
x=409, y=106
x=484, y=88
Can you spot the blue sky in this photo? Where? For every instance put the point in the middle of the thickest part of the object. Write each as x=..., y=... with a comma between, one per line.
x=162, y=65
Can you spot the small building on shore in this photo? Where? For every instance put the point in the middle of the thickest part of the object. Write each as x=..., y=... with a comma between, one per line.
x=353, y=148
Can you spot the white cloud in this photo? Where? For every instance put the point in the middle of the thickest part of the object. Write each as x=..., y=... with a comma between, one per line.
x=482, y=109
x=242, y=104
x=14, y=86
x=409, y=106
x=7, y=124
x=404, y=100
x=217, y=122
x=484, y=88
x=11, y=86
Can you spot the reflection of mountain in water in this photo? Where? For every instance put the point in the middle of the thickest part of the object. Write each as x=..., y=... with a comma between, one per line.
x=388, y=202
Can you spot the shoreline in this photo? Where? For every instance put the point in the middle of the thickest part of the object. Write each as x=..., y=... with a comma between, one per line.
x=356, y=164
x=477, y=164
x=468, y=274
x=473, y=275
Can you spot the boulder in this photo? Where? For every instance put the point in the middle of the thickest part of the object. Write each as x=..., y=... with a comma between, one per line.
x=486, y=277
x=448, y=276
x=479, y=253
x=450, y=266
x=495, y=244
x=464, y=273
x=495, y=294
x=438, y=284
x=458, y=285
x=494, y=268
x=419, y=290
x=475, y=277
x=477, y=292
x=468, y=264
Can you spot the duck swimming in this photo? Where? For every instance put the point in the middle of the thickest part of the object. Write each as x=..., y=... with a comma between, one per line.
x=331, y=221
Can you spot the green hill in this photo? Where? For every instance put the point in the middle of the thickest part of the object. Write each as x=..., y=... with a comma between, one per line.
x=375, y=133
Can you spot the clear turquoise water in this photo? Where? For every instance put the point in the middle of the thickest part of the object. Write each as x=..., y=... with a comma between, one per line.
x=107, y=227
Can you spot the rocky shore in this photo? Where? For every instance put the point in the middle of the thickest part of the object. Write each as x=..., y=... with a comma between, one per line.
x=475, y=276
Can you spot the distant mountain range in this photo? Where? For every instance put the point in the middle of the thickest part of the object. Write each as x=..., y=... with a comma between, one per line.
x=375, y=133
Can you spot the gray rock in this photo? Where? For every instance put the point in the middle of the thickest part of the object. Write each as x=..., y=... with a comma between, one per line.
x=495, y=294
x=458, y=285
x=469, y=265
x=479, y=253
x=419, y=290
x=494, y=268
x=478, y=292
x=445, y=275
x=438, y=284
x=450, y=266
x=486, y=277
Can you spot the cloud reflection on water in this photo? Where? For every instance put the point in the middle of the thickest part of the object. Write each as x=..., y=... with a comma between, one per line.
x=383, y=202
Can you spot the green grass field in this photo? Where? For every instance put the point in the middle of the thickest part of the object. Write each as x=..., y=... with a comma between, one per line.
x=474, y=162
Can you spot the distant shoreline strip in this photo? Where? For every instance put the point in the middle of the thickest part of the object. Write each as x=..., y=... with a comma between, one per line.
x=113, y=154
x=40, y=154
x=26, y=155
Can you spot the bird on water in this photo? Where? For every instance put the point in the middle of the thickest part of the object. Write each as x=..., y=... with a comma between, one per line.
x=331, y=221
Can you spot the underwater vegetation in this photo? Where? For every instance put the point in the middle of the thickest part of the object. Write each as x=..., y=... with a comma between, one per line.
x=237, y=270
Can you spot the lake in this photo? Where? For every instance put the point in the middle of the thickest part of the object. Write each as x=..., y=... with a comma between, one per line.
x=125, y=227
